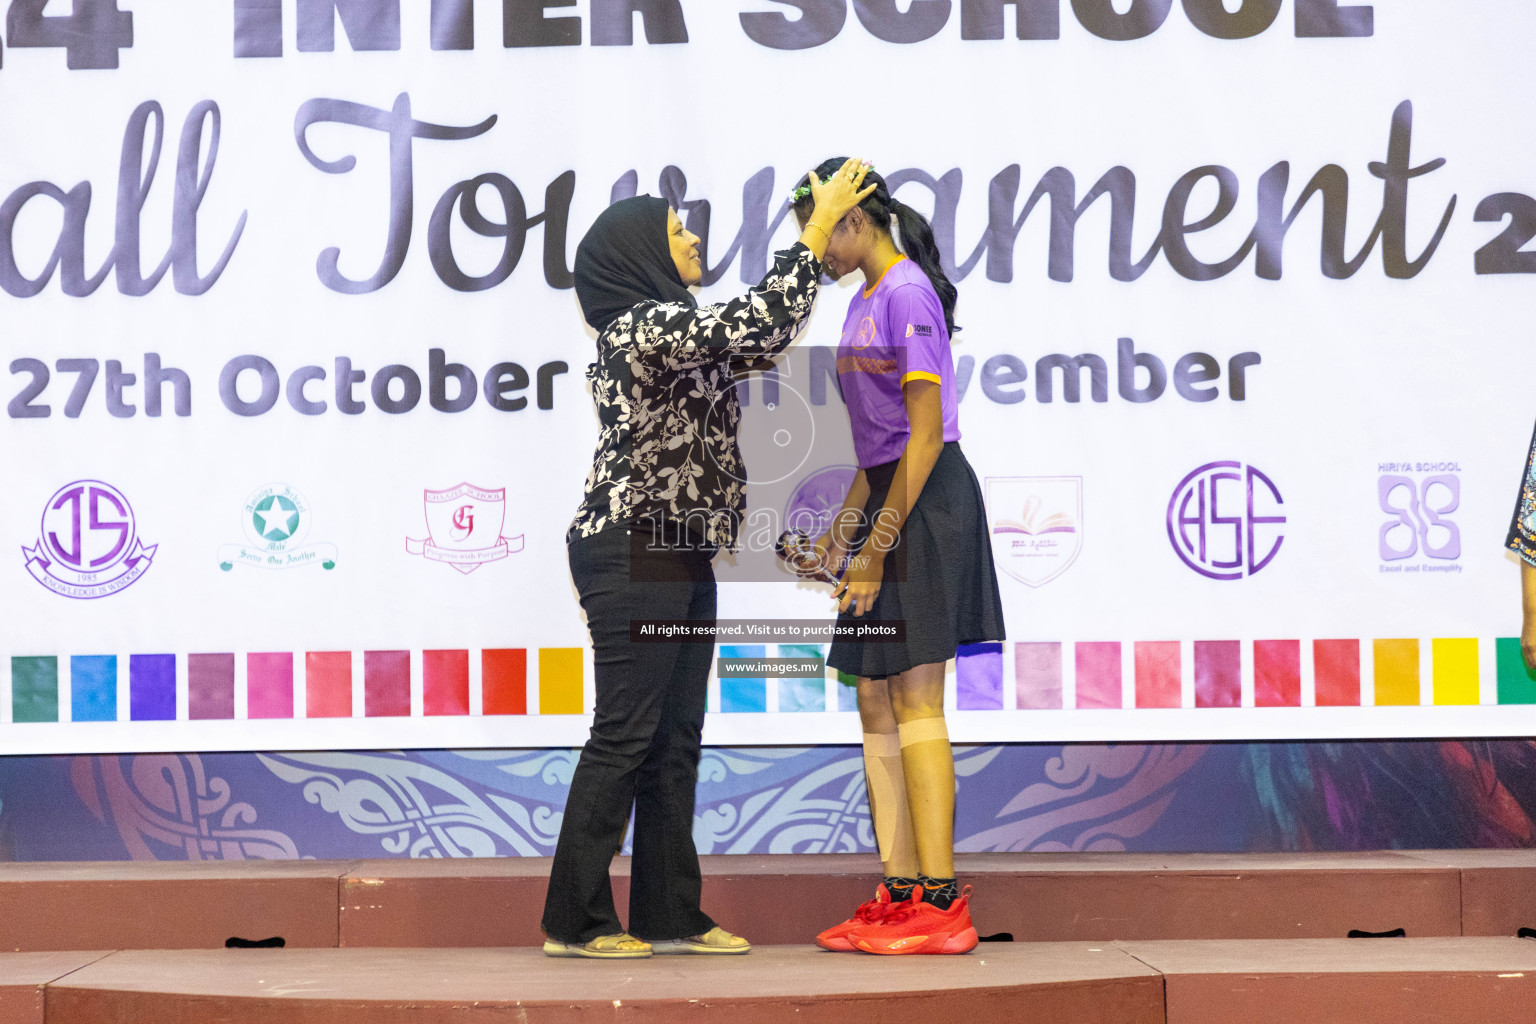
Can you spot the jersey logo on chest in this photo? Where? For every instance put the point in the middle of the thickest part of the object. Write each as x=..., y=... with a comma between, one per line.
x=864, y=336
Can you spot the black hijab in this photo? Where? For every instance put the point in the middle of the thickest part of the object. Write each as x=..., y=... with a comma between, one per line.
x=625, y=259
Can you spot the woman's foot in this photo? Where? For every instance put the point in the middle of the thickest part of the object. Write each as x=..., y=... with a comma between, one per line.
x=622, y=946
x=716, y=940
x=870, y=912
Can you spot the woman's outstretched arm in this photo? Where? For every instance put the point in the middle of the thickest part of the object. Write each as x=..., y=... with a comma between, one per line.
x=769, y=315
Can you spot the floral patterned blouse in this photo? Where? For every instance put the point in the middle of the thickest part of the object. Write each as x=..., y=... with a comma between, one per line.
x=1522, y=531
x=666, y=408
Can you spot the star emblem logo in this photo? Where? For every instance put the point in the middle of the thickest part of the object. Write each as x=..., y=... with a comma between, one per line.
x=275, y=518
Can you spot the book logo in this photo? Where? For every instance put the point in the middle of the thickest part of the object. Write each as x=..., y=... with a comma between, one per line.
x=1037, y=525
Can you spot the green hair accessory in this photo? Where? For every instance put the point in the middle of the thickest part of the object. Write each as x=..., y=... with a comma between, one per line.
x=805, y=190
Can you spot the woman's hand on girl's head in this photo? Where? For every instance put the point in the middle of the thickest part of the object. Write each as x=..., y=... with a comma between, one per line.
x=840, y=193
x=833, y=198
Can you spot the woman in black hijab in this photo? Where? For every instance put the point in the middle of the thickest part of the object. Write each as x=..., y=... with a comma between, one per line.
x=665, y=492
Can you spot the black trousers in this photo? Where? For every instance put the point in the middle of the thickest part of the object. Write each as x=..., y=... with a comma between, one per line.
x=644, y=747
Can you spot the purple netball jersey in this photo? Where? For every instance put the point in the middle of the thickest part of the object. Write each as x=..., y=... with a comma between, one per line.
x=894, y=333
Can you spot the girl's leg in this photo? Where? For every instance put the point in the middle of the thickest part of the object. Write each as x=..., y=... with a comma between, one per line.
x=886, y=781
x=917, y=702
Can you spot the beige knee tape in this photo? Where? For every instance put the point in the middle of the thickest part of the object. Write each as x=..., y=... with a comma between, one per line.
x=922, y=730
x=887, y=786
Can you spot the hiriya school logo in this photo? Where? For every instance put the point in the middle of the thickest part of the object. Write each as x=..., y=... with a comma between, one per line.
x=817, y=498
x=1223, y=520
x=88, y=545
x=464, y=528
x=1419, y=497
x=275, y=519
x=1037, y=525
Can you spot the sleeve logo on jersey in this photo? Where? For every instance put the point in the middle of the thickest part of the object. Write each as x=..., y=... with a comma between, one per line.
x=922, y=329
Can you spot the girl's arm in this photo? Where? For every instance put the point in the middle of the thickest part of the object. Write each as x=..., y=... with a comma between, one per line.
x=925, y=440
x=834, y=544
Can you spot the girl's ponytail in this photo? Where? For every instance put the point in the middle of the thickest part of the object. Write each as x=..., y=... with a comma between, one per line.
x=917, y=244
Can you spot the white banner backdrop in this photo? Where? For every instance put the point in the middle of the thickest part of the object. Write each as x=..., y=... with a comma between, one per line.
x=296, y=420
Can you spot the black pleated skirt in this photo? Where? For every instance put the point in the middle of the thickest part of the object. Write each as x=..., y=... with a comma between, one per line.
x=939, y=578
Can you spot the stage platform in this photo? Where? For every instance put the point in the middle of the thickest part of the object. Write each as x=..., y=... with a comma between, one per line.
x=1096, y=939
x=1285, y=981
x=1034, y=897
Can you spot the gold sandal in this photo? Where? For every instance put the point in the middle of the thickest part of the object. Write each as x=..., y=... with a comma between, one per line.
x=716, y=940
x=622, y=946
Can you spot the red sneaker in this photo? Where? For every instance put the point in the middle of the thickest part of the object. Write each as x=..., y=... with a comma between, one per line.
x=917, y=927
x=870, y=912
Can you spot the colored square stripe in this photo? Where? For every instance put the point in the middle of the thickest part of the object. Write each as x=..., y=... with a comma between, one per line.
x=210, y=686
x=1277, y=674
x=1157, y=674
x=808, y=694
x=1336, y=673
x=1397, y=672
x=152, y=687
x=847, y=692
x=445, y=682
x=386, y=684
x=504, y=682
x=1037, y=675
x=560, y=681
x=1453, y=670
x=328, y=684
x=743, y=695
x=1218, y=674
x=979, y=677
x=34, y=689
x=1098, y=674
x=93, y=688
x=1517, y=684
x=269, y=684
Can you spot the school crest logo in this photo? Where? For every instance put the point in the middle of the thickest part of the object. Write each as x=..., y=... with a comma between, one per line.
x=464, y=526
x=1037, y=525
x=275, y=520
x=88, y=544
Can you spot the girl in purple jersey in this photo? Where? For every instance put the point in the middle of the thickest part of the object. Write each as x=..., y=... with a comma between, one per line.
x=912, y=539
